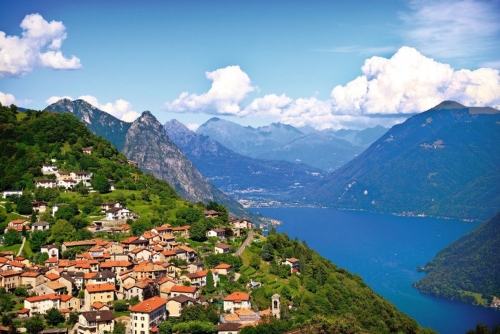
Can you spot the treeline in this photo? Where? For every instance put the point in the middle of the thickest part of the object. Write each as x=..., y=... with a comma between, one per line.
x=467, y=268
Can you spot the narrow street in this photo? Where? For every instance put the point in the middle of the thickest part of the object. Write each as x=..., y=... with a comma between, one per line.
x=245, y=243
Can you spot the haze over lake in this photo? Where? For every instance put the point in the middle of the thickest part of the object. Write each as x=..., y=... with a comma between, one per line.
x=385, y=250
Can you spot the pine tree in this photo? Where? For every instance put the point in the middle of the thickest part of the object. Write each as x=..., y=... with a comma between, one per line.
x=210, y=285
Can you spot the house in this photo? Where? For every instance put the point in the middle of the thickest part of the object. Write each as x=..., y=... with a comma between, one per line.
x=228, y=328
x=41, y=304
x=218, y=233
x=239, y=225
x=46, y=183
x=96, y=322
x=147, y=314
x=223, y=269
x=39, y=206
x=103, y=276
x=181, y=231
x=135, y=289
x=32, y=279
x=70, y=303
x=82, y=176
x=52, y=287
x=132, y=163
x=221, y=248
x=103, y=293
x=188, y=291
x=211, y=214
x=81, y=243
x=8, y=193
x=40, y=226
x=17, y=224
x=293, y=263
x=109, y=205
x=176, y=304
x=67, y=183
x=118, y=266
x=87, y=150
x=49, y=169
x=237, y=301
x=10, y=279
x=118, y=213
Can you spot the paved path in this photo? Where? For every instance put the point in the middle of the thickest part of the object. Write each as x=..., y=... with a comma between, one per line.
x=245, y=243
x=22, y=246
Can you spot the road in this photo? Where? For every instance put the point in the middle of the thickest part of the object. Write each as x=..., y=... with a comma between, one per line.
x=245, y=243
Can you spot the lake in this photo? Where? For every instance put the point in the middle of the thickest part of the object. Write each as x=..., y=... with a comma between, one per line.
x=385, y=250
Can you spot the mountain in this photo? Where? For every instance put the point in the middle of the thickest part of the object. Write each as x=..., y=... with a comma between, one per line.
x=285, y=142
x=360, y=137
x=96, y=120
x=468, y=267
x=442, y=162
x=236, y=173
x=146, y=142
x=311, y=149
x=248, y=140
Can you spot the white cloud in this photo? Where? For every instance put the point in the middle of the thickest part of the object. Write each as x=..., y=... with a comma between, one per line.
x=193, y=126
x=54, y=99
x=121, y=109
x=38, y=47
x=451, y=28
x=410, y=82
x=230, y=87
x=7, y=99
x=387, y=92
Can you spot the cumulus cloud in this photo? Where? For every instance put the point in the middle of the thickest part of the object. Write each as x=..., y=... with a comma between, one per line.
x=451, y=28
x=387, y=92
x=7, y=99
x=121, y=109
x=409, y=82
x=230, y=87
x=39, y=46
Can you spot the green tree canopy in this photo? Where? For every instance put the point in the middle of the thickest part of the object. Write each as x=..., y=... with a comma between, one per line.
x=54, y=317
x=101, y=183
x=62, y=231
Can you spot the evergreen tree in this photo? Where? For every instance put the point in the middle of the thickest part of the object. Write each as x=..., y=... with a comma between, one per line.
x=24, y=206
x=267, y=252
x=210, y=285
x=54, y=317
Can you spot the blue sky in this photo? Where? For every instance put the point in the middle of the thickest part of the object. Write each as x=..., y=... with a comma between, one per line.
x=319, y=63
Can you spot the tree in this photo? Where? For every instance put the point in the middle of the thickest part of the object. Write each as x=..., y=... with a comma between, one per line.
x=34, y=325
x=8, y=207
x=267, y=252
x=24, y=206
x=255, y=261
x=73, y=318
x=54, y=317
x=165, y=327
x=140, y=226
x=119, y=328
x=66, y=212
x=209, y=285
x=197, y=231
x=12, y=237
x=33, y=217
x=96, y=199
x=43, y=257
x=151, y=290
x=78, y=223
x=101, y=183
x=83, y=234
x=62, y=231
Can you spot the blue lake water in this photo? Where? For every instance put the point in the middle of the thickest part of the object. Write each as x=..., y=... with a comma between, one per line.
x=385, y=250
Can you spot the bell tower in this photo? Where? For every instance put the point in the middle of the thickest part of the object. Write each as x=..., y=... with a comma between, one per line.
x=275, y=305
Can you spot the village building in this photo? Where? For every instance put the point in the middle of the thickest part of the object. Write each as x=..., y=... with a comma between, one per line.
x=40, y=226
x=39, y=206
x=103, y=293
x=8, y=193
x=221, y=248
x=147, y=315
x=96, y=322
x=10, y=279
x=237, y=301
x=217, y=233
x=188, y=291
x=45, y=183
x=293, y=263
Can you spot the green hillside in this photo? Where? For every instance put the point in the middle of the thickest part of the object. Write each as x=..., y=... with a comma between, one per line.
x=322, y=298
x=469, y=268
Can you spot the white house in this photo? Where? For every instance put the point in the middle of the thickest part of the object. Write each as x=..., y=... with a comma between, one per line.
x=118, y=213
x=96, y=322
x=147, y=314
x=40, y=226
x=237, y=301
x=8, y=193
x=46, y=183
x=52, y=250
x=41, y=304
x=66, y=183
x=49, y=169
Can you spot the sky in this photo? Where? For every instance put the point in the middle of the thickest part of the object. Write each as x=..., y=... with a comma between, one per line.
x=325, y=64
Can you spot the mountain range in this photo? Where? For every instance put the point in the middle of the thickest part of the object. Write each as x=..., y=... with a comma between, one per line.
x=442, y=162
x=285, y=142
x=146, y=142
x=235, y=173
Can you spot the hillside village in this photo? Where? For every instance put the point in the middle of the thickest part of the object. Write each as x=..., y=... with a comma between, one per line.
x=91, y=244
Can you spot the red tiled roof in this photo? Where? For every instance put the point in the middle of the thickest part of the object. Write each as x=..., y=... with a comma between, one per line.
x=51, y=296
x=183, y=289
x=148, y=305
x=100, y=287
x=223, y=266
x=237, y=296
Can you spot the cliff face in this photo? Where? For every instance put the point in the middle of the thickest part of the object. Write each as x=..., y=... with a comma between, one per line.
x=147, y=143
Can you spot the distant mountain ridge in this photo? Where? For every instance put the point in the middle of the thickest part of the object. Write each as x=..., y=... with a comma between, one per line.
x=146, y=142
x=442, y=162
x=236, y=173
x=285, y=142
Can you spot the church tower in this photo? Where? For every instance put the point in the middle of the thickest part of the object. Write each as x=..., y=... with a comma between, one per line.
x=275, y=305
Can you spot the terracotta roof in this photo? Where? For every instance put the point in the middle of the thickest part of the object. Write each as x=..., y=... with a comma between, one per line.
x=100, y=287
x=223, y=266
x=237, y=296
x=24, y=311
x=51, y=296
x=55, y=285
x=292, y=259
x=52, y=276
x=80, y=243
x=30, y=274
x=65, y=298
x=183, y=289
x=98, y=305
x=148, y=305
x=18, y=221
x=163, y=227
x=223, y=246
x=16, y=264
